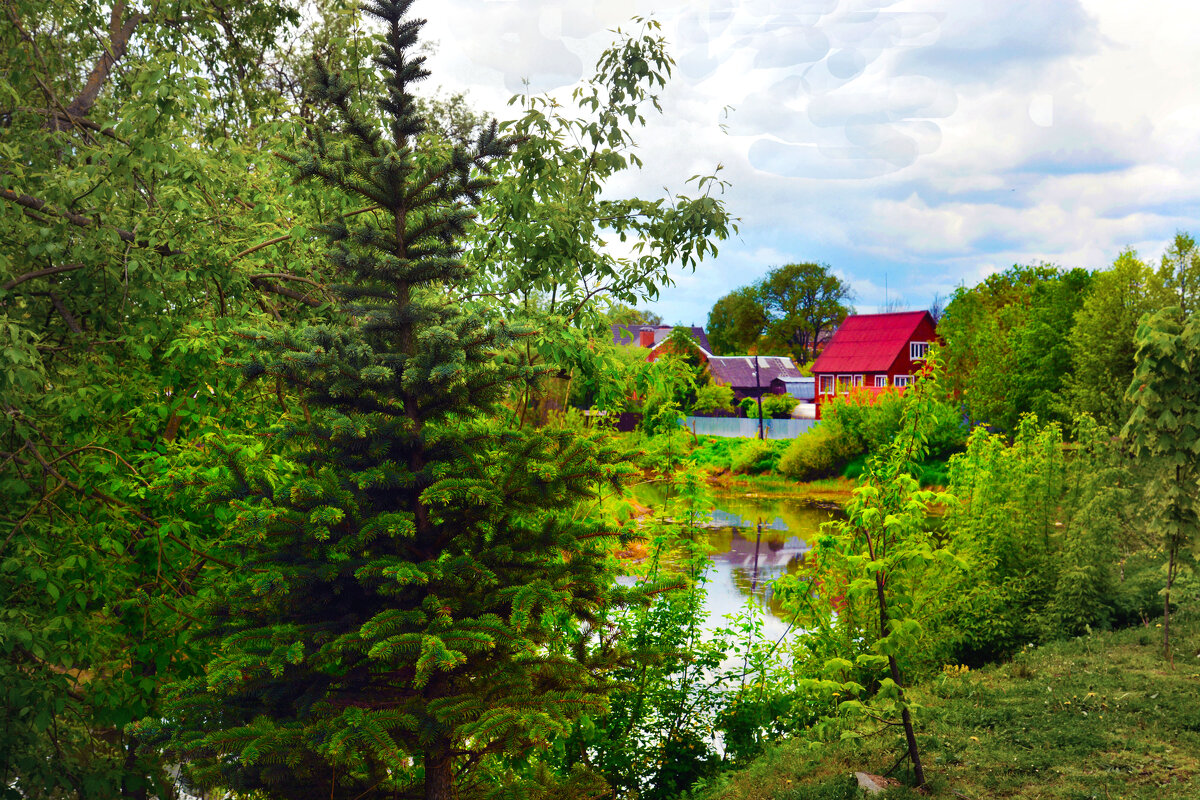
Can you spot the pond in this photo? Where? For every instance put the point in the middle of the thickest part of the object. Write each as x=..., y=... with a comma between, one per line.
x=755, y=538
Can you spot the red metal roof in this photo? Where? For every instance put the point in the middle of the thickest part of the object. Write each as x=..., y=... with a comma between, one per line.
x=868, y=342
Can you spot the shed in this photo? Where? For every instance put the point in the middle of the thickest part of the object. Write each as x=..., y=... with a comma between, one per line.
x=801, y=388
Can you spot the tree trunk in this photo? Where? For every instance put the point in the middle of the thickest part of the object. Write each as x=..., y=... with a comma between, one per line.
x=910, y=735
x=439, y=773
x=1167, y=606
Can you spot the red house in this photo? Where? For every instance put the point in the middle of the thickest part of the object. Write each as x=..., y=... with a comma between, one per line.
x=873, y=351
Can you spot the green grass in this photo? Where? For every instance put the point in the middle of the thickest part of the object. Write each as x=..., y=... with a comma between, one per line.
x=1100, y=717
x=717, y=453
x=932, y=472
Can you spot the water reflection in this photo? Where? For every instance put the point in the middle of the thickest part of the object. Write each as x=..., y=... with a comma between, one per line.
x=754, y=540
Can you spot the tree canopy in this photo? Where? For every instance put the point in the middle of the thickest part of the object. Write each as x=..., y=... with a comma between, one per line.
x=737, y=321
x=788, y=311
x=142, y=222
x=1007, y=348
x=1101, y=340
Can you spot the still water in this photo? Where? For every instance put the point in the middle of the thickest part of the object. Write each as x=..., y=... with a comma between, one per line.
x=754, y=539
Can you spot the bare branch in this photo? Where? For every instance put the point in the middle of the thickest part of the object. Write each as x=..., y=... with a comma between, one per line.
x=119, y=35
x=261, y=245
x=82, y=123
x=283, y=276
x=286, y=292
x=34, y=204
x=41, y=273
x=66, y=314
x=286, y=236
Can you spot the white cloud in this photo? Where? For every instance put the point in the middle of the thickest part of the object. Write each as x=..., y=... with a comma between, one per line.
x=931, y=140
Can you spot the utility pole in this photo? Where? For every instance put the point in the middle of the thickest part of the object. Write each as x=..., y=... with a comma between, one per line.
x=758, y=387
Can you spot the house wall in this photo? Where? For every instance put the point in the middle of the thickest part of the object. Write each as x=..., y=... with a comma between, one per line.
x=903, y=365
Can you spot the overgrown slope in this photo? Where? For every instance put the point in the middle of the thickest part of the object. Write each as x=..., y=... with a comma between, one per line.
x=1100, y=716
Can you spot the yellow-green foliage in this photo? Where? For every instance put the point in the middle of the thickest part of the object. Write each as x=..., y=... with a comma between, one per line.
x=713, y=397
x=754, y=456
x=819, y=452
x=863, y=423
x=774, y=406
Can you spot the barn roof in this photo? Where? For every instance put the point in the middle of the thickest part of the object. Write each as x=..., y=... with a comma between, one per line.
x=738, y=371
x=661, y=332
x=869, y=342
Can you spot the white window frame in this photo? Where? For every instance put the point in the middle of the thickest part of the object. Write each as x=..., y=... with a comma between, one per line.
x=827, y=384
x=881, y=381
x=856, y=381
x=842, y=380
x=902, y=380
x=918, y=351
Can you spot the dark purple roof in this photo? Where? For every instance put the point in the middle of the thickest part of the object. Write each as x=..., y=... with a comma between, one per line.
x=660, y=332
x=738, y=371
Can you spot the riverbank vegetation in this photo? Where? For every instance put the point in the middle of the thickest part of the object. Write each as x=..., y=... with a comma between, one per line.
x=1096, y=715
x=301, y=501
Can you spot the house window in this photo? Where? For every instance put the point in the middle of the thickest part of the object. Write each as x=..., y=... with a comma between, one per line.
x=880, y=381
x=902, y=380
x=843, y=384
x=917, y=351
x=826, y=384
x=856, y=381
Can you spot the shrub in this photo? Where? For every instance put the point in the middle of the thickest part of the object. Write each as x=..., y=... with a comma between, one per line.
x=932, y=472
x=755, y=456
x=713, y=397
x=865, y=423
x=661, y=418
x=873, y=421
x=662, y=452
x=1138, y=595
x=775, y=406
x=779, y=406
x=715, y=452
x=819, y=452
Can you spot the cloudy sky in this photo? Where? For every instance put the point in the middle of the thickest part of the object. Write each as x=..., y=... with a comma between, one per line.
x=917, y=144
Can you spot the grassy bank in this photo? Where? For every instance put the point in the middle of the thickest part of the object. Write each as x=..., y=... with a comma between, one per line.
x=1102, y=716
x=747, y=465
x=834, y=491
x=755, y=465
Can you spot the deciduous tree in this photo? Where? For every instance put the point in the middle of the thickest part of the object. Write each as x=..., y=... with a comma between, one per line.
x=1179, y=273
x=1164, y=431
x=555, y=243
x=803, y=301
x=1007, y=349
x=1101, y=341
x=140, y=222
x=881, y=574
x=737, y=321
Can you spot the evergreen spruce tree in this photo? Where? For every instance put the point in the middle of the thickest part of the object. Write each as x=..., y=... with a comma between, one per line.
x=403, y=621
